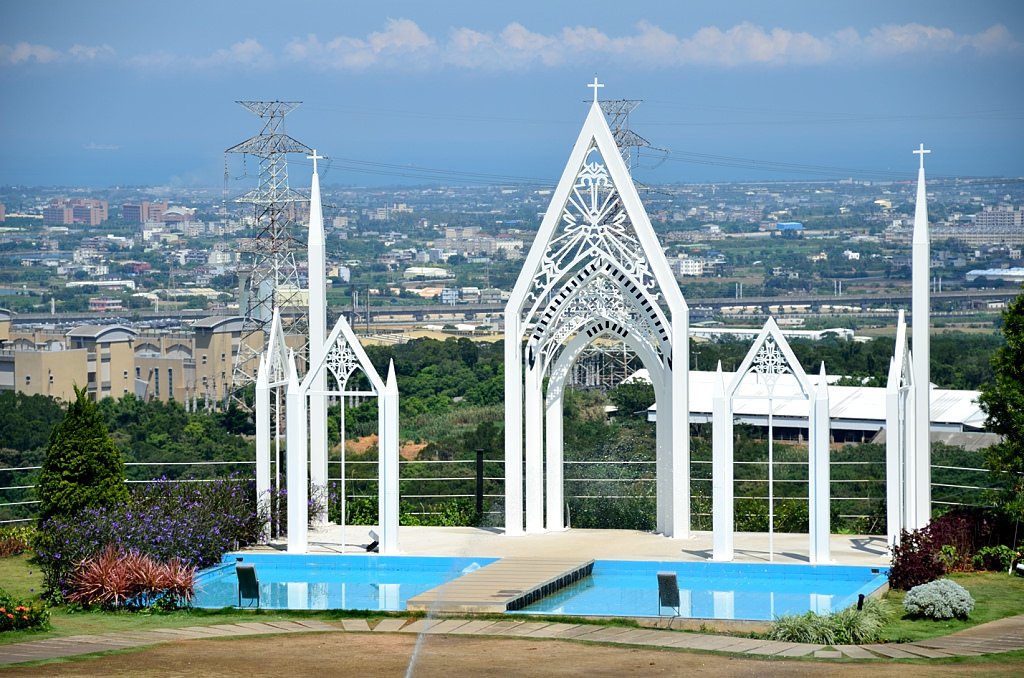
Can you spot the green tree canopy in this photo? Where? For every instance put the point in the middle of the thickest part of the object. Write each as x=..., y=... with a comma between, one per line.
x=83, y=468
x=1003, y=402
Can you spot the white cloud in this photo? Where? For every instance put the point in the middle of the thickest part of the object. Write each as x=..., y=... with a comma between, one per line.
x=248, y=52
x=90, y=52
x=93, y=146
x=24, y=52
x=402, y=44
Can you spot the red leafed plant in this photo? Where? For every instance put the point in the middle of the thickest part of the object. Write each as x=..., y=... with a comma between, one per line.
x=117, y=579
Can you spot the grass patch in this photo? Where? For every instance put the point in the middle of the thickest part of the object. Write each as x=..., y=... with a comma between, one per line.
x=996, y=595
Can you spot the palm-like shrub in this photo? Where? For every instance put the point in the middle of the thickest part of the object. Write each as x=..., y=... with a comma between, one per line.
x=939, y=599
x=114, y=578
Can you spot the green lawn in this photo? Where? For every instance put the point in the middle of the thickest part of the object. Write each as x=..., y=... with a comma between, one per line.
x=996, y=595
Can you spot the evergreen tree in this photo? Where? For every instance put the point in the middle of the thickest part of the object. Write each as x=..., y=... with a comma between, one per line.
x=1003, y=402
x=83, y=467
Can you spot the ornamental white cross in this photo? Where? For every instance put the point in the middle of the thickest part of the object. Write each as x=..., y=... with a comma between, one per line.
x=595, y=85
x=920, y=151
x=316, y=157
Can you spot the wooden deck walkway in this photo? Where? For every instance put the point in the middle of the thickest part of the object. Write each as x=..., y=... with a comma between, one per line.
x=508, y=584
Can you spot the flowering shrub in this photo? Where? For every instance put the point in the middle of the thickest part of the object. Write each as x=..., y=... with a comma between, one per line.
x=195, y=523
x=940, y=599
x=19, y=614
x=15, y=540
x=114, y=578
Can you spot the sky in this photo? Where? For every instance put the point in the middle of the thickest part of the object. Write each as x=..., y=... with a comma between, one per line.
x=114, y=93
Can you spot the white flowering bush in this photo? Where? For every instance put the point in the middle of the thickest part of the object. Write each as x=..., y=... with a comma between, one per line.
x=939, y=599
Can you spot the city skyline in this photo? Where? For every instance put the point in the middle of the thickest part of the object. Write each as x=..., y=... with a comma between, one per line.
x=119, y=93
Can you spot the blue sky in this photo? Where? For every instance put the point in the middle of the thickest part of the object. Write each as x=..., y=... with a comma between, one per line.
x=106, y=93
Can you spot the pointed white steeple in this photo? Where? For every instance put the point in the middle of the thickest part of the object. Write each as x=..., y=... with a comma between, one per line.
x=316, y=253
x=920, y=315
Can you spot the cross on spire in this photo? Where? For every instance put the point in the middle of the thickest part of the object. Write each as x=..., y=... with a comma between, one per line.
x=920, y=151
x=316, y=157
x=595, y=85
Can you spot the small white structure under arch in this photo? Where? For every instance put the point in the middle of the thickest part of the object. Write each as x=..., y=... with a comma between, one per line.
x=769, y=359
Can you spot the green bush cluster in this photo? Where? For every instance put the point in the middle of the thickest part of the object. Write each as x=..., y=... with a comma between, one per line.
x=16, y=615
x=939, y=599
x=845, y=627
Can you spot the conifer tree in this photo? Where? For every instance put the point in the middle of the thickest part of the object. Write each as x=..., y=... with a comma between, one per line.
x=83, y=468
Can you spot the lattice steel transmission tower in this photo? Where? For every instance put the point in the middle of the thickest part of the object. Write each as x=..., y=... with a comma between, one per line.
x=268, y=275
x=629, y=142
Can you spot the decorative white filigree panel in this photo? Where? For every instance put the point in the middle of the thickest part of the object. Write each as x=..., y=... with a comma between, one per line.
x=594, y=225
x=341, y=362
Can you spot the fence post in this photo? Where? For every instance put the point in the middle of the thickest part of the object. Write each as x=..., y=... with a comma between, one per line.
x=479, y=483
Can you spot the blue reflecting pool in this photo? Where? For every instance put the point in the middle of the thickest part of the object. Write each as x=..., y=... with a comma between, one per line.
x=713, y=590
x=331, y=582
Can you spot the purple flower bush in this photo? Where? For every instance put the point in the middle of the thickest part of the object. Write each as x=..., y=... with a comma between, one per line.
x=195, y=523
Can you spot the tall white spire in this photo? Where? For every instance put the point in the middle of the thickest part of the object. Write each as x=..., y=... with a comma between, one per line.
x=317, y=334
x=920, y=315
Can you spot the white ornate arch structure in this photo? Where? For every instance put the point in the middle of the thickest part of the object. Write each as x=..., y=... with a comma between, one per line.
x=770, y=358
x=341, y=357
x=595, y=269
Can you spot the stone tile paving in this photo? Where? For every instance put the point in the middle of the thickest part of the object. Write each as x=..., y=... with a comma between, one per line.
x=355, y=625
x=999, y=636
x=389, y=625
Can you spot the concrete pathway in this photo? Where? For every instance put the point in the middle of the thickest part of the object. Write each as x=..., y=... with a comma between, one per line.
x=1003, y=635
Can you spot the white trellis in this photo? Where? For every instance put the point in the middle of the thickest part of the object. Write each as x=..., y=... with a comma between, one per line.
x=770, y=359
x=341, y=358
x=595, y=270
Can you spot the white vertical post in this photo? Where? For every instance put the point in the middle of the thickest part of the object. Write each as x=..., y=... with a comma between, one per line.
x=555, y=516
x=297, y=475
x=388, y=496
x=534, y=419
x=893, y=455
x=263, y=447
x=722, y=519
x=921, y=271
x=820, y=432
x=317, y=333
x=663, y=462
x=679, y=394
x=513, y=425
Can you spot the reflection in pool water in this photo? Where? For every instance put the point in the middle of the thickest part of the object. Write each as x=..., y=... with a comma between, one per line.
x=332, y=582
x=713, y=590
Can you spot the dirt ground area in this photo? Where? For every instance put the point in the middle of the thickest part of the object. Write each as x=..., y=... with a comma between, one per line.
x=349, y=654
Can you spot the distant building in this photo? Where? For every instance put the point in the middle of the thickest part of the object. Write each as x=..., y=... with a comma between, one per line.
x=1000, y=217
x=63, y=212
x=141, y=212
x=3, y=212
x=425, y=273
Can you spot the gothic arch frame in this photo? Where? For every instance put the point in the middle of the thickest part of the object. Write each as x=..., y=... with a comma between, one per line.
x=595, y=253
